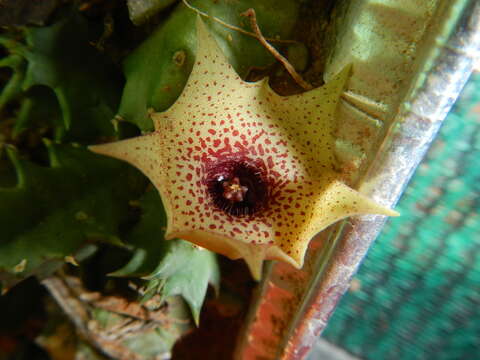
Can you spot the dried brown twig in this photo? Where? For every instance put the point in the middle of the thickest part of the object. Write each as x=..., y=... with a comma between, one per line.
x=250, y=13
x=233, y=27
x=257, y=34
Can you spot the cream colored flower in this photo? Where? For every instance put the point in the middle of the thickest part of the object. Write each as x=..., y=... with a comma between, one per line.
x=241, y=170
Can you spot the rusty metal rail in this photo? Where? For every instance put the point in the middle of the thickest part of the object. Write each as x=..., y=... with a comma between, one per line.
x=410, y=61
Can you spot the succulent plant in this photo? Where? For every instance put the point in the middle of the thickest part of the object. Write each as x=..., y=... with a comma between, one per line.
x=62, y=204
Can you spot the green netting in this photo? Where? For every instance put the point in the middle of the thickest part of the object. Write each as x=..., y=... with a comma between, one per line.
x=419, y=287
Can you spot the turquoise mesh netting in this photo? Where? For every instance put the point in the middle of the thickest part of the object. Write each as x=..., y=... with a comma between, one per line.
x=418, y=290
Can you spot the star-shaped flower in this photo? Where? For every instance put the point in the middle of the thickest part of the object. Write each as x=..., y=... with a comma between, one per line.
x=241, y=170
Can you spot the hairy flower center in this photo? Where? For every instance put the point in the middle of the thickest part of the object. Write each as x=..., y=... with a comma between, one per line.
x=237, y=188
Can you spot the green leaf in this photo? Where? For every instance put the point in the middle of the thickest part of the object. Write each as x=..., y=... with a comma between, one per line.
x=13, y=88
x=86, y=85
x=53, y=211
x=40, y=107
x=186, y=270
x=158, y=69
x=172, y=267
x=147, y=237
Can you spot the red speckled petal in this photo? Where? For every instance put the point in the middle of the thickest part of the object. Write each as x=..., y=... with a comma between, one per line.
x=318, y=205
x=143, y=152
x=212, y=83
x=311, y=121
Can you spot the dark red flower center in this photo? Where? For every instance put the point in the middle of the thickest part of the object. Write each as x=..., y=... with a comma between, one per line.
x=238, y=188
